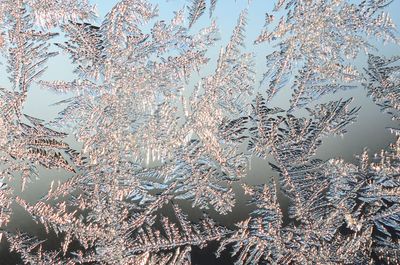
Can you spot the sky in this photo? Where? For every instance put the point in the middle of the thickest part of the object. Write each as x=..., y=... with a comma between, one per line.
x=369, y=131
x=226, y=15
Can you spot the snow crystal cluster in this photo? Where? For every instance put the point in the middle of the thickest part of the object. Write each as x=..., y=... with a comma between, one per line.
x=151, y=140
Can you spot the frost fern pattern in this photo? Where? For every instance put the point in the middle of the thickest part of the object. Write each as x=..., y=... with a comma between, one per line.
x=160, y=132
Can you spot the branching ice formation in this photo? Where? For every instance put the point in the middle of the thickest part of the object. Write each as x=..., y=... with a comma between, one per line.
x=151, y=140
x=25, y=142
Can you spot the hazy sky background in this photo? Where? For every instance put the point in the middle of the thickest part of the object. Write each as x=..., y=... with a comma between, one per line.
x=369, y=130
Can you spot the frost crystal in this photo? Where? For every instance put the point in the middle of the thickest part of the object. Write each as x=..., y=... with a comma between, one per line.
x=315, y=39
x=25, y=141
x=158, y=131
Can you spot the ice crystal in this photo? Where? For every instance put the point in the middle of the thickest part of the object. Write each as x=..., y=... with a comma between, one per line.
x=116, y=183
x=157, y=132
x=196, y=10
x=315, y=38
x=26, y=142
x=339, y=212
x=383, y=83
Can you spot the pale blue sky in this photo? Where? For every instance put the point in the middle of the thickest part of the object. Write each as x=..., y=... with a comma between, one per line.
x=226, y=14
x=368, y=131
